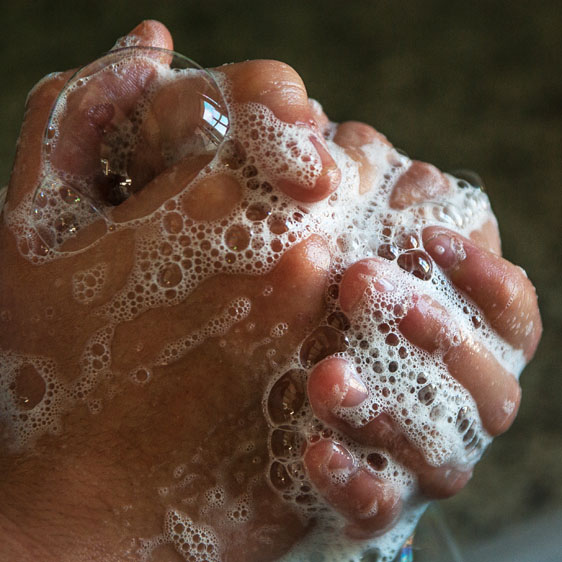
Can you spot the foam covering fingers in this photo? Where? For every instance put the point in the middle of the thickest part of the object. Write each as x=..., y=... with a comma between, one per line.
x=500, y=289
x=333, y=384
x=429, y=326
x=495, y=390
x=370, y=504
x=314, y=174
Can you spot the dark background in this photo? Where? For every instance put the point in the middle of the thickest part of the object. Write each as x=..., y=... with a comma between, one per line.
x=459, y=84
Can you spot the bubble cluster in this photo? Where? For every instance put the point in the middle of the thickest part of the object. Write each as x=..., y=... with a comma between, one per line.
x=193, y=542
x=31, y=396
x=88, y=284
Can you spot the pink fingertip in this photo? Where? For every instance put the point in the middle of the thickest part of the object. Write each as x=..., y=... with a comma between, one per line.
x=447, y=251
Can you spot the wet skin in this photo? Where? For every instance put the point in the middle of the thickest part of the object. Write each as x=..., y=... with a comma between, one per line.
x=66, y=497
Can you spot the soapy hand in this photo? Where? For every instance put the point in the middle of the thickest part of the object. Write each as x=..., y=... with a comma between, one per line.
x=203, y=356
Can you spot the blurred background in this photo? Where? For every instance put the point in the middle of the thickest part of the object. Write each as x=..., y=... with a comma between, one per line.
x=460, y=84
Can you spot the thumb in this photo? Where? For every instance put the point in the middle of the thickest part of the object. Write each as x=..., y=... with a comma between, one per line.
x=26, y=171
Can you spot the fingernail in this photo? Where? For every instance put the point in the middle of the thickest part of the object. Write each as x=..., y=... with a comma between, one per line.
x=446, y=251
x=356, y=391
x=339, y=459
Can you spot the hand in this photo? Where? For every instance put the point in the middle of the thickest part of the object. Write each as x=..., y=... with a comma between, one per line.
x=143, y=407
x=507, y=303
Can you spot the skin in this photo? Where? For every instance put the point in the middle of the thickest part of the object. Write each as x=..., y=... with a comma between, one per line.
x=65, y=498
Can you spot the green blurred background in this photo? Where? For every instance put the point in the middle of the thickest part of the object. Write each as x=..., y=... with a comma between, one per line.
x=459, y=84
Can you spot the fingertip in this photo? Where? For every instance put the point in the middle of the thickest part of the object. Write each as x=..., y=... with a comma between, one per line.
x=354, y=134
x=148, y=33
x=374, y=505
x=420, y=182
x=500, y=289
x=327, y=385
x=273, y=84
x=444, y=246
x=370, y=504
x=334, y=383
x=361, y=275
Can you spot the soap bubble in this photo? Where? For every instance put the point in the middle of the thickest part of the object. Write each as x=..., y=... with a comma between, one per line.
x=120, y=122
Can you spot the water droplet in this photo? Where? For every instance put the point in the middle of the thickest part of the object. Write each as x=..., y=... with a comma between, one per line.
x=392, y=339
x=277, y=224
x=324, y=341
x=250, y=171
x=287, y=396
x=29, y=387
x=407, y=241
x=417, y=262
x=141, y=375
x=388, y=251
x=469, y=435
x=237, y=238
x=276, y=245
x=66, y=223
x=476, y=321
x=437, y=412
x=462, y=421
x=173, y=223
x=69, y=196
x=371, y=555
x=474, y=444
x=125, y=159
x=333, y=291
x=453, y=214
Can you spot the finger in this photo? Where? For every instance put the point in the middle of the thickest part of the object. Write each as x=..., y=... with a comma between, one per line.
x=149, y=33
x=27, y=165
x=370, y=504
x=319, y=118
x=421, y=182
x=495, y=391
x=488, y=237
x=333, y=383
x=353, y=136
x=280, y=88
x=501, y=290
x=429, y=326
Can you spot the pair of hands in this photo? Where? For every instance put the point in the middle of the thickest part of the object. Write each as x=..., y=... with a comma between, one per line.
x=118, y=454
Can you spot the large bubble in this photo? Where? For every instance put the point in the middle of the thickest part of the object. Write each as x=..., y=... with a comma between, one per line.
x=111, y=132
